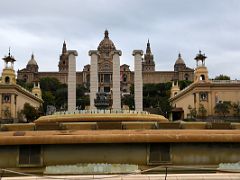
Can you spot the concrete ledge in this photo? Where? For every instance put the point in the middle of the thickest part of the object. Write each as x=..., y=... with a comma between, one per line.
x=194, y=125
x=18, y=127
x=79, y=126
x=135, y=125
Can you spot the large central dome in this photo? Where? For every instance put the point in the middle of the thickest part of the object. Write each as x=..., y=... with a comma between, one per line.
x=106, y=45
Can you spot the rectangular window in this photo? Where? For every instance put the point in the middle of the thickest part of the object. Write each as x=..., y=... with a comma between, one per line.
x=194, y=97
x=106, y=89
x=203, y=96
x=159, y=153
x=107, y=78
x=30, y=155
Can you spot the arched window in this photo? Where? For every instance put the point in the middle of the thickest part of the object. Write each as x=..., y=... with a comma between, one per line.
x=124, y=78
x=186, y=76
x=7, y=80
x=202, y=77
x=25, y=77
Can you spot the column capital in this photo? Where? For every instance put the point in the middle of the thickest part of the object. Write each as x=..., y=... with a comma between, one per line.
x=74, y=52
x=135, y=52
x=91, y=52
x=119, y=52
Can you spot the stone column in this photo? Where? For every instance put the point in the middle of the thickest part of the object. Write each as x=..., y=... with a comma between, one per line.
x=72, y=80
x=116, y=94
x=138, y=82
x=93, y=77
x=13, y=107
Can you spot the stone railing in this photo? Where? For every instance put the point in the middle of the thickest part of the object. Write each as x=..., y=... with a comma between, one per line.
x=101, y=111
x=225, y=81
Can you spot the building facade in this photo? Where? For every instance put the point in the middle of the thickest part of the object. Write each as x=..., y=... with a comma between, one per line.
x=203, y=93
x=12, y=96
x=105, y=69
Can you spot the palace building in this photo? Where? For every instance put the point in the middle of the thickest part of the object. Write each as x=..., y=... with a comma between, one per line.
x=105, y=69
x=13, y=96
x=203, y=93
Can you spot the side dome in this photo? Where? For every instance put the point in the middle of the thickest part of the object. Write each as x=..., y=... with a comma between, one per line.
x=106, y=45
x=32, y=61
x=179, y=60
x=32, y=65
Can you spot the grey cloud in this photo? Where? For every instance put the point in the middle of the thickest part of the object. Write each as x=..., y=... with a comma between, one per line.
x=173, y=26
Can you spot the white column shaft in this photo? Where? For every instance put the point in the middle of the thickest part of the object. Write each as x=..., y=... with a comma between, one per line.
x=93, y=79
x=71, y=82
x=116, y=83
x=138, y=83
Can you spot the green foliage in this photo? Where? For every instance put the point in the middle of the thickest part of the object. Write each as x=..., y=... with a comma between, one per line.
x=202, y=111
x=222, y=77
x=153, y=90
x=49, y=84
x=128, y=100
x=156, y=96
x=192, y=112
x=132, y=89
x=83, y=101
x=60, y=99
x=184, y=83
x=25, y=85
x=30, y=112
x=223, y=108
x=236, y=108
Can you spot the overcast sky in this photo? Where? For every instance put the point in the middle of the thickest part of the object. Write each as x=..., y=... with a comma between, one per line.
x=172, y=26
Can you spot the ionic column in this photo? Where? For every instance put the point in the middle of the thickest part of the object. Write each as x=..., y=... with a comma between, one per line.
x=72, y=80
x=138, y=82
x=116, y=81
x=93, y=77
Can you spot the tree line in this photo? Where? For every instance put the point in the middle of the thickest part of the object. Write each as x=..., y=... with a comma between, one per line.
x=54, y=93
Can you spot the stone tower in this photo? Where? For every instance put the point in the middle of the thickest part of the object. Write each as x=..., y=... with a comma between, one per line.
x=175, y=89
x=201, y=71
x=63, y=62
x=8, y=73
x=36, y=90
x=148, y=64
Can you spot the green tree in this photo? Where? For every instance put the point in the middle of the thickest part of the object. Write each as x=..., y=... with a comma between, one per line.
x=25, y=85
x=223, y=108
x=222, y=77
x=50, y=84
x=184, y=83
x=30, y=112
x=128, y=100
x=236, y=108
x=192, y=112
x=48, y=98
x=202, y=111
x=60, y=98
